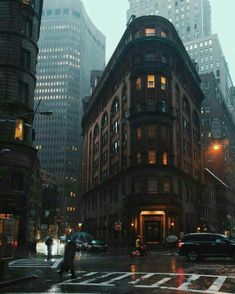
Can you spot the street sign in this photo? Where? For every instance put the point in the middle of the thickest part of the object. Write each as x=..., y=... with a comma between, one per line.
x=118, y=226
x=59, y=219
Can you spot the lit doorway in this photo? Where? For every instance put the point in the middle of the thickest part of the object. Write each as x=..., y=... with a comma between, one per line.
x=152, y=232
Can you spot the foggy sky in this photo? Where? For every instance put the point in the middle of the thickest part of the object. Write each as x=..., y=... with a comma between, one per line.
x=110, y=18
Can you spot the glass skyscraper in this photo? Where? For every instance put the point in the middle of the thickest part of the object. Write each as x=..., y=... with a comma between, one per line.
x=70, y=48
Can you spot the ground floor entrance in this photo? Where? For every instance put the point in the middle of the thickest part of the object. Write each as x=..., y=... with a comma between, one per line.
x=152, y=231
x=152, y=226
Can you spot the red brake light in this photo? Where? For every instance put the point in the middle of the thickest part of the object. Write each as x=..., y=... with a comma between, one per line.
x=180, y=244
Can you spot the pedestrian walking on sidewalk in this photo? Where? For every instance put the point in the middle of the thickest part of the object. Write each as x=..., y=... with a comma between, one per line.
x=49, y=243
x=68, y=260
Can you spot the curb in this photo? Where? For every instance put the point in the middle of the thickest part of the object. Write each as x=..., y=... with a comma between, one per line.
x=18, y=280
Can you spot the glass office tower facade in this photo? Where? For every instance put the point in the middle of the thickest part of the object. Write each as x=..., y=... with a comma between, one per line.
x=70, y=47
x=191, y=18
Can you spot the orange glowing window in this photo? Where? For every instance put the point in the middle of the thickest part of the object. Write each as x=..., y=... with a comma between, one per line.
x=138, y=84
x=165, y=158
x=163, y=83
x=151, y=81
x=150, y=32
x=19, y=130
x=152, y=156
x=138, y=157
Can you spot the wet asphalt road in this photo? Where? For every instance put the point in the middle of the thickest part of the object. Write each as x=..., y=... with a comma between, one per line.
x=159, y=273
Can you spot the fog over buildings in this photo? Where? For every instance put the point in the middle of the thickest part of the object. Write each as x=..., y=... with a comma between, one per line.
x=70, y=46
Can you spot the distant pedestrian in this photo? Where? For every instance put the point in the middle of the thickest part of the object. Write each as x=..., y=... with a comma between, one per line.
x=68, y=261
x=49, y=243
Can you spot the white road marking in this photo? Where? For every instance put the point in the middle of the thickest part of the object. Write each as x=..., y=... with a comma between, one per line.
x=56, y=263
x=189, y=278
x=218, y=283
x=155, y=285
x=90, y=274
x=185, y=285
x=142, y=278
x=108, y=283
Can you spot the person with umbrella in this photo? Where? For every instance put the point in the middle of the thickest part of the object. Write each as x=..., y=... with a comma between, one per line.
x=68, y=260
x=172, y=242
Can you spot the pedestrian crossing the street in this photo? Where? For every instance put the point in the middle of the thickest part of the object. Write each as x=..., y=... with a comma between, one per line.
x=187, y=282
x=35, y=262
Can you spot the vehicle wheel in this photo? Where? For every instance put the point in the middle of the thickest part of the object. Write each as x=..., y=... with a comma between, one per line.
x=193, y=256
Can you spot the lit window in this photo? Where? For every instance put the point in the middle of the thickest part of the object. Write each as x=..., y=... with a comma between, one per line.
x=151, y=156
x=138, y=133
x=164, y=34
x=165, y=158
x=19, y=131
x=138, y=84
x=27, y=2
x=150, y=32
x=163, y=83
x=138, y=157
x=151, y=81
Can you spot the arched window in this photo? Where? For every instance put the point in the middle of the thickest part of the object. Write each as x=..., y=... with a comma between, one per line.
x=167, y=184
x=124, y=93
x=104, y=120
x=96, y=132
x=185, y=106
x=196, y=120
x=115, y=107
x=177, y=95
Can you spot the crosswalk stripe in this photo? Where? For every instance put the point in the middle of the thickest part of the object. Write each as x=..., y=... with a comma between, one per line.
x=56, y=263
x=217, y=284
x=185, y=285
x=142, y=278
x=95, y=277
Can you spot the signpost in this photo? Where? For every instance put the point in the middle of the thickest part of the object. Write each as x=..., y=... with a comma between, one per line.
x=118, y=226
x=59, y=219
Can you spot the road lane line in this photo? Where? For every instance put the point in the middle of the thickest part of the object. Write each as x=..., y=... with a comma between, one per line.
x=90, y=274
x=196, y=291
x=107, y=283
x=155, y=285
x=189, y=278
x=141, y=278
x=218, y=283
x=185, y=285
x=56, y=263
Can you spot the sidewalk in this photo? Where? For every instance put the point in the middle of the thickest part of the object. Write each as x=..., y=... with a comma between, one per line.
x=26, y=268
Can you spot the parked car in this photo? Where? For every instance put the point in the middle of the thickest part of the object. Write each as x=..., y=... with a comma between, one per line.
x=96, y=245
x=197, y=245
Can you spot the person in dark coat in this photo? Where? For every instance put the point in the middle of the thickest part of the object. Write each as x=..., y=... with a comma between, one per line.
x=68, y=260
x=49, y=243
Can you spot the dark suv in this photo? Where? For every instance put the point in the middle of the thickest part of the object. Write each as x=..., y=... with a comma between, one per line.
x=197, y=245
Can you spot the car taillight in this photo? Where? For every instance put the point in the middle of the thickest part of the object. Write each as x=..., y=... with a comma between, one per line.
x=180, y=244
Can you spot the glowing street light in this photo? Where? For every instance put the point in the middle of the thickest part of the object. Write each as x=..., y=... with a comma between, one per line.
x=216, y=147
